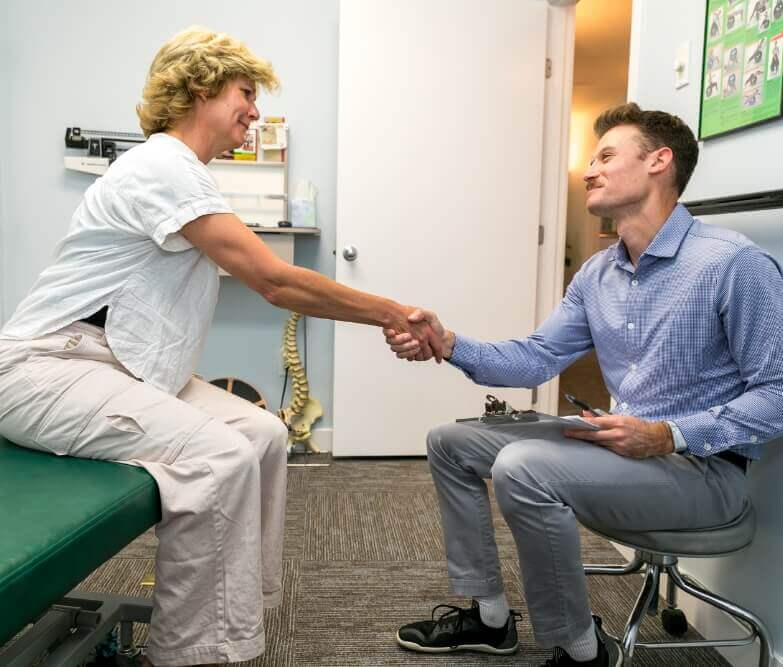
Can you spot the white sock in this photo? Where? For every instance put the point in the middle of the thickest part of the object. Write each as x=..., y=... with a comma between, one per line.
x=493, y=609
x=584, y=647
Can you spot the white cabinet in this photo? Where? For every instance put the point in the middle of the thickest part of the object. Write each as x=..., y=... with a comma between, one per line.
x=257, y=191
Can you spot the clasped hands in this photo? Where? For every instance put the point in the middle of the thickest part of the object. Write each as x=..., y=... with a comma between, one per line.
x=623, y=434
x=422, y=339
x=406, y=346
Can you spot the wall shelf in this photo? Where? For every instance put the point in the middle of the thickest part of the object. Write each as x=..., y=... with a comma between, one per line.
x=246, y=163
x=297, y=231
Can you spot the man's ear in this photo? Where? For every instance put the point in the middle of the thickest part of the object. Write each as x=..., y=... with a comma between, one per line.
x=660, y=159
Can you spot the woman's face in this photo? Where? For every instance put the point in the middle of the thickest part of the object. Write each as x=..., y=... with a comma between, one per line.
x=231, y=111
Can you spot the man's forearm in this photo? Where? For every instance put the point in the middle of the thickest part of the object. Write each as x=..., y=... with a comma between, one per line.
x=746, y=421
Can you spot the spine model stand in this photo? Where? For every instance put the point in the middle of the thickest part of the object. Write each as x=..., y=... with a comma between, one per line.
x=303, y=411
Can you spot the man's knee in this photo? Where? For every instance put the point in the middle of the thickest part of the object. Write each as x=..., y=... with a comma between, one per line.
x=520, y=468
x=442, y=439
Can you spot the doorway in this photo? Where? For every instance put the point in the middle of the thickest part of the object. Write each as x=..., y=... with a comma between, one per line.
x=601, y=54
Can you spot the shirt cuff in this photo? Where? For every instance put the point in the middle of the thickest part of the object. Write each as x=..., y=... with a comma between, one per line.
x=466, y=353
x=680, y=446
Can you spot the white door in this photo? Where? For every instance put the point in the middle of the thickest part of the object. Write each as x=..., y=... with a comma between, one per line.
x=440, y=117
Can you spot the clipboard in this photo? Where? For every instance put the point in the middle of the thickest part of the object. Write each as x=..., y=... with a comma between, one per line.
x=532, y=418
x=498, y=414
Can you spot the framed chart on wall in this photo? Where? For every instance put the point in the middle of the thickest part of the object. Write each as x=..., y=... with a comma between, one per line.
x=741, y=69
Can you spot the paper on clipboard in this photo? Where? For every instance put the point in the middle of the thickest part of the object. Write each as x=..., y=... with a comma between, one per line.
x=572, y=421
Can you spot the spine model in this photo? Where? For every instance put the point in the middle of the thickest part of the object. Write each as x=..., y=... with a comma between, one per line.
x=303, y=411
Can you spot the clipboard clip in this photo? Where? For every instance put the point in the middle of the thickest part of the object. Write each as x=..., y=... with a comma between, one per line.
x=500, y=412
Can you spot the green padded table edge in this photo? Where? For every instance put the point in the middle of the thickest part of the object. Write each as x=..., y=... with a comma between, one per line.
x=62, y=517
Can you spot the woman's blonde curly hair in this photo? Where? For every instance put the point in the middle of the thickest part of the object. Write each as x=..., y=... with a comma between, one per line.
x=194, y=62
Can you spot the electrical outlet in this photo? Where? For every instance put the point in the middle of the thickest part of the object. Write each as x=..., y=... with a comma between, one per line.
x=682, y=65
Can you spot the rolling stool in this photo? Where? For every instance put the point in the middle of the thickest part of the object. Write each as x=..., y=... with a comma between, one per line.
x=657, y=552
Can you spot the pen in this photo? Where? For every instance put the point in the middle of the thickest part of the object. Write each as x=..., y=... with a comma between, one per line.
x=585, y=406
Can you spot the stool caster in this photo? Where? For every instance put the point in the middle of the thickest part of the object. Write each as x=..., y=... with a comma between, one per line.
x=674, y=622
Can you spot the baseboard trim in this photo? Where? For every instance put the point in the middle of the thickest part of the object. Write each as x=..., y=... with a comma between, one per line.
x=322, y=438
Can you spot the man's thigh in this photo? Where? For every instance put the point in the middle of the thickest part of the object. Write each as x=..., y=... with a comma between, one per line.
x=662, y=492
x=471, y=445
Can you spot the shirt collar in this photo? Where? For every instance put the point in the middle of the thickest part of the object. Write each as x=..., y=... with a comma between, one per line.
x=666, y=242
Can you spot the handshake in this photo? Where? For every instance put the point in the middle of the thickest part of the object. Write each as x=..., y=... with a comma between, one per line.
x=421, y=338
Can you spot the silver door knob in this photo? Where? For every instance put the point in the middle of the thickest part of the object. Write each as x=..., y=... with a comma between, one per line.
x=350, y=253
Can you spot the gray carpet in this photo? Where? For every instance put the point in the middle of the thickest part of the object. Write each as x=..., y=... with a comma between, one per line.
x=363, y=555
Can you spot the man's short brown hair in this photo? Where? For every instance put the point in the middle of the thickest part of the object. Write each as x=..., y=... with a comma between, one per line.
x=658, y=129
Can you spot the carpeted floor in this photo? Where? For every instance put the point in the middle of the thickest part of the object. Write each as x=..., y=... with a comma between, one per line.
x=363, y=555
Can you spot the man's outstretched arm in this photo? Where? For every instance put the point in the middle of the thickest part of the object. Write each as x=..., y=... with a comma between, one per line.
x=528, y=362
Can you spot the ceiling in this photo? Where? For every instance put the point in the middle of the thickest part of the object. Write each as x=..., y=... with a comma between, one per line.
x=603, y=31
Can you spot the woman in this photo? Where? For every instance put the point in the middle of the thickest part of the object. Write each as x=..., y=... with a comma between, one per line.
x=97, y=361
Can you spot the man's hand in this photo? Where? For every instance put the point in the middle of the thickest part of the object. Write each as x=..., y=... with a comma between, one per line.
x=627, y=436
x=417, y=332
x=405, y=346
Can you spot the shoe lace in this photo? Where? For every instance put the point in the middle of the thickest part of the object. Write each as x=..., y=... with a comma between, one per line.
x=452, y=617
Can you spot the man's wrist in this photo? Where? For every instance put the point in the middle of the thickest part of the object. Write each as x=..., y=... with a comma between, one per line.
x=449, y=340
x=679, y=446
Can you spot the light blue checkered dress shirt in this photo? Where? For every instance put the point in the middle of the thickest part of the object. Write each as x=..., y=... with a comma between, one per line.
x=692, y=334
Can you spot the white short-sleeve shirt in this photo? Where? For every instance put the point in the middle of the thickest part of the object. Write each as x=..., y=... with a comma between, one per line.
x=124, y=250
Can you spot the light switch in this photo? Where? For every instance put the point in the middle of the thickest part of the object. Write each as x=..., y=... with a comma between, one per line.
x=682, y=65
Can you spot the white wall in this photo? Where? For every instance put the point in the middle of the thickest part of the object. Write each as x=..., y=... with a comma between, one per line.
x=88, y=70
x=4, y=97
x=743, y=162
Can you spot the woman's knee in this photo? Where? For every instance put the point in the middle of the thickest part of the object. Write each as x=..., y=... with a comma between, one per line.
x=268, y=432
x=222, y=447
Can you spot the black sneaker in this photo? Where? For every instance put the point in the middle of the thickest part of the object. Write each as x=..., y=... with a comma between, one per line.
x=610, y=653
x=459, y=629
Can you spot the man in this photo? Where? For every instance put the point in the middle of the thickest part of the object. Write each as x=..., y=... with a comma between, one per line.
x=687, y=323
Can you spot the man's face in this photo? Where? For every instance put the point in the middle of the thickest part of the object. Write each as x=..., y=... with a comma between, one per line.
x=232, y=110
x=617, y=176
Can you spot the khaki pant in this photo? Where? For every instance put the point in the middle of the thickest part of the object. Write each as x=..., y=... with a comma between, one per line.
x=220, y=465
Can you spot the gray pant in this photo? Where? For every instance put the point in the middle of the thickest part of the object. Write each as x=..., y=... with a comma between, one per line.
x=542, y=486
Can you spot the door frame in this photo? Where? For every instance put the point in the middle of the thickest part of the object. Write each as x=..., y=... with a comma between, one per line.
x=561, y=24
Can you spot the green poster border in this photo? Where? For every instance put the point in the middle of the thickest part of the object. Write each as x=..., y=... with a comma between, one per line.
x=739, y=128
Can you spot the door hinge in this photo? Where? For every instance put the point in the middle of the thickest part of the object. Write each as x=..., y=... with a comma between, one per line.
x=548, y=68
x=534, y=395
x=541, y=235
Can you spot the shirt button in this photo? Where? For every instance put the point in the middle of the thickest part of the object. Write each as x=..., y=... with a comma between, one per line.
x=754, y=438
x=633, y=367
x=634, y=282
x=624, y=406
x=630, y=325
x=707, y=446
